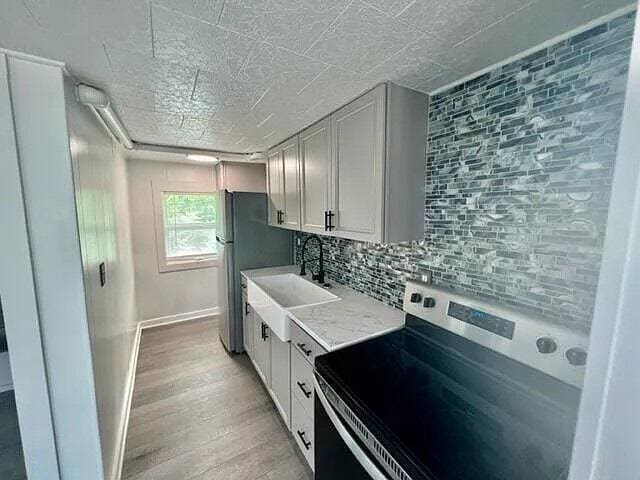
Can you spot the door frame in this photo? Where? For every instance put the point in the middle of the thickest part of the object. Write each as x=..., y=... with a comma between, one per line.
x=20, y=306
x=608, y=430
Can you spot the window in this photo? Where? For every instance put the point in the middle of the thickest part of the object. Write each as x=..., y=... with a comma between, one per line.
x=185, y=226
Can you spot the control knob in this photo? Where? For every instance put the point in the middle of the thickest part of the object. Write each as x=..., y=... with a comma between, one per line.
x=429, y=302
x=415, y=298
x=546, y=345
x=577, y=356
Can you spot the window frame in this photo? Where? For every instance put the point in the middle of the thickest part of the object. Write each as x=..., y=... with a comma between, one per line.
x=186, y=262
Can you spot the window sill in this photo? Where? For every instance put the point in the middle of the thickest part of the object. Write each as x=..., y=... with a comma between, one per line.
x=191, y=264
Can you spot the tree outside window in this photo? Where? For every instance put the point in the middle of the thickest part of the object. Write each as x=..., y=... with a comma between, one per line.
x=189, y=224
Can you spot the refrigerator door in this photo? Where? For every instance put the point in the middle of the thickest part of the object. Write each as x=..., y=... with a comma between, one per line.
x=224, y=216
x=255, y=245
x=227, y=325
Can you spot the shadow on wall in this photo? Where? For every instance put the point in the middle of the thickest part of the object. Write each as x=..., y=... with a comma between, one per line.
x=518, y=177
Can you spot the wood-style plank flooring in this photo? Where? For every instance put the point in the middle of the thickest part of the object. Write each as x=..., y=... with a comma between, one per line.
x=200, y=413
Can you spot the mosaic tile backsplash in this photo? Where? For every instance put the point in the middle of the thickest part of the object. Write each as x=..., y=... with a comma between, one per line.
x=518, y=176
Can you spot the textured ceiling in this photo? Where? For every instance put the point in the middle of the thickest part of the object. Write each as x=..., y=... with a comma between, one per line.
x=241, y=75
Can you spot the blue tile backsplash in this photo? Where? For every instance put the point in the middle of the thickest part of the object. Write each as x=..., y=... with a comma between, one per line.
x=518, y=176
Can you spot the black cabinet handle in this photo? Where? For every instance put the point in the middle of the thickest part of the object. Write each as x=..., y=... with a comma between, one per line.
x=329, y=221
x=326, y=223
x=306, y=351
x=307, y=445
x=263, y=331
x=246, y=308
x=306, y=392
x=280, y=217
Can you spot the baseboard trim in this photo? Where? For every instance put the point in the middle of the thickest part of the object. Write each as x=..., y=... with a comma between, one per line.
x=118, y=460
x=180, y=317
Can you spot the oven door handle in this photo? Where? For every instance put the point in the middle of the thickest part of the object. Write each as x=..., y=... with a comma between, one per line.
x=350, y=442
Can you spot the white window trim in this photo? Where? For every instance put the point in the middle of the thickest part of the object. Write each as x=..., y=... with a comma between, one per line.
x=189, y=262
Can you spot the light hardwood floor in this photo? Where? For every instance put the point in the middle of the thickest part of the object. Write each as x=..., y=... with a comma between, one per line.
x=200, y=413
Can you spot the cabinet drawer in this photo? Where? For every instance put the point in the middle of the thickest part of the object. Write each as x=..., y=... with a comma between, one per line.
x=302, y=430
x=302, y=381
x=304, y=344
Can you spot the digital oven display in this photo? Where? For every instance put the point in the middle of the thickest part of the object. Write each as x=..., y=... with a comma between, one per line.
x=484, y=320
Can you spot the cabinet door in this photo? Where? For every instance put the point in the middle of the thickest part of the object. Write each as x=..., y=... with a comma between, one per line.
x=291, y=184
x=275, y=185
x=315, y=168
x=281, y=377
x=247, y=326
x=358, y=147
x=262, y=349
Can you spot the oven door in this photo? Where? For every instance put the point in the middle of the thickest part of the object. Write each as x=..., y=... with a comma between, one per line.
x=338, y=456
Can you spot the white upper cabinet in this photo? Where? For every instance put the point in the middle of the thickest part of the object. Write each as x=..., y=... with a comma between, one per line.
x=291, y=187
x=357, y=168
x=315, y=171
x=361, y=170
x=275, y=186
x=283, y=185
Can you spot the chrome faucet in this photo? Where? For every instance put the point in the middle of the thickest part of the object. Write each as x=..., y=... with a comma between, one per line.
x=303, y=271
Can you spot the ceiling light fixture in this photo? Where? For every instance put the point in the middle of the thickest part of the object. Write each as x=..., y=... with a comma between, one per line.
x=202, y=158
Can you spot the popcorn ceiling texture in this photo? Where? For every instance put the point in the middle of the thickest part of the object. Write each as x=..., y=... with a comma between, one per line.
x=518, y=177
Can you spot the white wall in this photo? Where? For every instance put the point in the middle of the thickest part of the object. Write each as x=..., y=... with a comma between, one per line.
x=19, y=304
x=39, y=111
x=178, y=293
x=102, y=202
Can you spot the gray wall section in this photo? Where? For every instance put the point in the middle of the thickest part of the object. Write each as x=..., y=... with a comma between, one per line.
x=160, y=294
x=102, y=205
x=518, y=177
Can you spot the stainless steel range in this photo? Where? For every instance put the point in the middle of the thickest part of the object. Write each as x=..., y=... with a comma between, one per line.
x=467, y=390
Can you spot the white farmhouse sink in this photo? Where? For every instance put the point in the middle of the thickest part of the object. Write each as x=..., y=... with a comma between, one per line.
x=271, y=296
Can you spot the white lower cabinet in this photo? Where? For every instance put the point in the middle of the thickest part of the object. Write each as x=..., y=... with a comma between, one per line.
x=286, y=368
x=304, y=350
x=281, y=377
x=302, y=381
x=302, y=429
x=247, y=326
x=262, y=349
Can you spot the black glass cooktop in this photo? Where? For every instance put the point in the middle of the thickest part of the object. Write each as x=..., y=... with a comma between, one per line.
x=449, y=409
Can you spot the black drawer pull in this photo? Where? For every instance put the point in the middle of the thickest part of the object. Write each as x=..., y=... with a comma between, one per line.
x=263, y=331
x=306, y=351
x=305, y=391
x=307, y=445
x=246, y=308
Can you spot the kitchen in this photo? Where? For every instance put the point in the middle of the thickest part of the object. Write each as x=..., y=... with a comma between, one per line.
x=385, y=240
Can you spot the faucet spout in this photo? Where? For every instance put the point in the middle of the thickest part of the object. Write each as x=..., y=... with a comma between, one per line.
x=321, y=273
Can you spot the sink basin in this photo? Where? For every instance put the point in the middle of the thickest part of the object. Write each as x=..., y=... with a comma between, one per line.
x=271, y=296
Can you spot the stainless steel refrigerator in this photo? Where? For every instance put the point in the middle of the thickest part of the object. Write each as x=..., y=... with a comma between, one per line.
x=245, y=241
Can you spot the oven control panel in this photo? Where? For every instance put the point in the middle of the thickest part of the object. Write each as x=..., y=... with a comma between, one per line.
x=480, y=319
x=524, y=336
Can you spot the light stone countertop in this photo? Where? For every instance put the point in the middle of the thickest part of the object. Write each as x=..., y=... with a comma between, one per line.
x=352, y=319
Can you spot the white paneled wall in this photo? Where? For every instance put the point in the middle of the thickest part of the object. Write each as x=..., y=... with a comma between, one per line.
x=166, y=295
x=102, y=201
